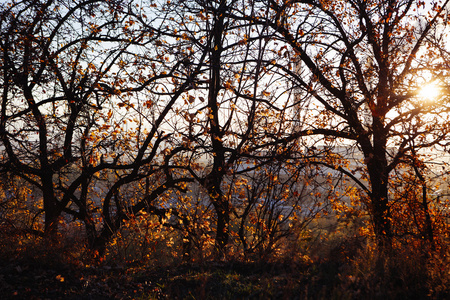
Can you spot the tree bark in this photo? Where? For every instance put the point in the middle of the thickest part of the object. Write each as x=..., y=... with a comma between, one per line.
x=215, y=178
x=51, y=209
x=377, y=166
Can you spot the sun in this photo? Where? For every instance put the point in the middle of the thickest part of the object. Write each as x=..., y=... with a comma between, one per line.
x=429, y=92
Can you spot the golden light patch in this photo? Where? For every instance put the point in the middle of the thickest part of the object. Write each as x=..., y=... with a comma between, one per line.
x=429, y=92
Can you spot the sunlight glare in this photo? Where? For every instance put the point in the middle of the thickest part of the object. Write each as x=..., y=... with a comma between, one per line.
x=429, y=92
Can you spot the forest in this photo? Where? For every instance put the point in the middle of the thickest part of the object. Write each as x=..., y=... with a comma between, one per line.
x=220, y=149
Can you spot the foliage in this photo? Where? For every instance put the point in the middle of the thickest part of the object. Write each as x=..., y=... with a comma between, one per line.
x=170, y=133
x=361, y=65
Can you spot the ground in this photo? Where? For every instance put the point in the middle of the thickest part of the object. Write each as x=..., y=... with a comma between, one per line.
x=212, y=280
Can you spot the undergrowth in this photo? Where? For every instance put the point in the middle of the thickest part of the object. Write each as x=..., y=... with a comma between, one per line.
x=323, y=263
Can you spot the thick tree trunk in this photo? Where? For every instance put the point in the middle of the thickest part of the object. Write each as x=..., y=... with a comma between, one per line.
x=223, y=221
x=91, y=233
x=381, y=221
x=377, y=166
x=51, y=209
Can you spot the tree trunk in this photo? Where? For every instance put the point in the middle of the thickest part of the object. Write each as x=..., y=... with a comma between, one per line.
x=214, y=179
x=428, y=230
x=377, y=166
x=381, y=221
x=223, y=220
x=51, y=209
x=100, y=242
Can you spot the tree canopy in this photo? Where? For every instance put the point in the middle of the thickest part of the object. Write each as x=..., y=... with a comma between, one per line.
x=228, y=122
